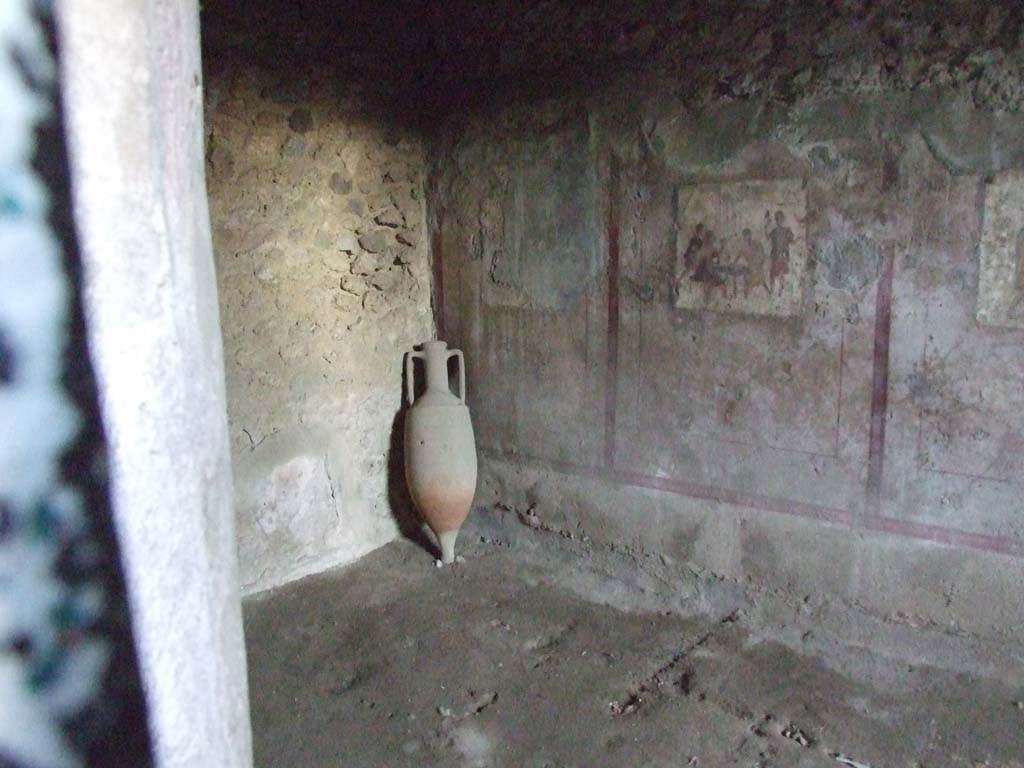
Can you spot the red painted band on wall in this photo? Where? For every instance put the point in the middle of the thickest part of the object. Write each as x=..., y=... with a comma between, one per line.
x=935, y=534
x=948, y=536
x=689, y=489
x=880, y=386
x=611, y=372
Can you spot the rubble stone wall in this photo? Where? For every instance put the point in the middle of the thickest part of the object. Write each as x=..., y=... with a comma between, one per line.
x=318, y=212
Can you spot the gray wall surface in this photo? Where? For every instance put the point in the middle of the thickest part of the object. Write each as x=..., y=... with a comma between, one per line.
x=854, y=428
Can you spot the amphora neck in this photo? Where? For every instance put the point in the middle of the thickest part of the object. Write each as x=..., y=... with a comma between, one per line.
x=435, y=355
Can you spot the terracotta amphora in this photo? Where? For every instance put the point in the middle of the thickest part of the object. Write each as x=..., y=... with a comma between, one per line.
x=440, y=453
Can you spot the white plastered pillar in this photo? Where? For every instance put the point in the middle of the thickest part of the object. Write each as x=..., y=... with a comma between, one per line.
x=133, y=99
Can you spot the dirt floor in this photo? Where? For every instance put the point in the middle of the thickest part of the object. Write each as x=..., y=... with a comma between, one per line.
x=539, y=653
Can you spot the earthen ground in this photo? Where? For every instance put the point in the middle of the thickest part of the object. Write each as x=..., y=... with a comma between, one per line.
x=539, y=653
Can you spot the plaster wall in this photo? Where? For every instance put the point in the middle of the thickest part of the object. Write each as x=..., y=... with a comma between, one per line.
x=132, y=88
x=857, y=431
x=317, y=203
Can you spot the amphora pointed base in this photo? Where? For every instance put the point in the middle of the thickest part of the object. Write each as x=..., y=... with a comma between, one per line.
x=447, y=542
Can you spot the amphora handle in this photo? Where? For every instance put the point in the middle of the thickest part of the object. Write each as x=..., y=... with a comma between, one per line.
x=410, y=388
x=462, y=373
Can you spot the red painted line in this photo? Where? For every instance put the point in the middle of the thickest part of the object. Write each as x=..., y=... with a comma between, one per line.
x=880, y=385
x=762, y=446
x=919, y=445
x=965, y=475
x=839, y=400
x=951, y=537
x=714, y=493
x=437, y=264
x=614, y=276
x=948, y=536
x=704, y=492
x=916, y=530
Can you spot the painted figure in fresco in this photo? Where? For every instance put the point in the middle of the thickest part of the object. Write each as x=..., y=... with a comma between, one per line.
x=781, y=238
x=701, y=257
x=750, y=264
x=721, y=271
x=739, y=272
x=693, y=248
x=708, y=268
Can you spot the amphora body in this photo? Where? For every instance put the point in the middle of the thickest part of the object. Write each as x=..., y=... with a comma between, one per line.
x=440, y=453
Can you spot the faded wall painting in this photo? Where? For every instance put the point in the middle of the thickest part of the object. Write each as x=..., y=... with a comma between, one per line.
x=1001, y=280
x=741, y=247
x=549, y=254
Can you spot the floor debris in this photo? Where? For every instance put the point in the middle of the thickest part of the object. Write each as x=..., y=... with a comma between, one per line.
x=849, y=762
x=793, y=733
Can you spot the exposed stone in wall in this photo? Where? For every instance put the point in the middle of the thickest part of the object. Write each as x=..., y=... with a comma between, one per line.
x=319, y=217
x=869, y=416
x=773, y=50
